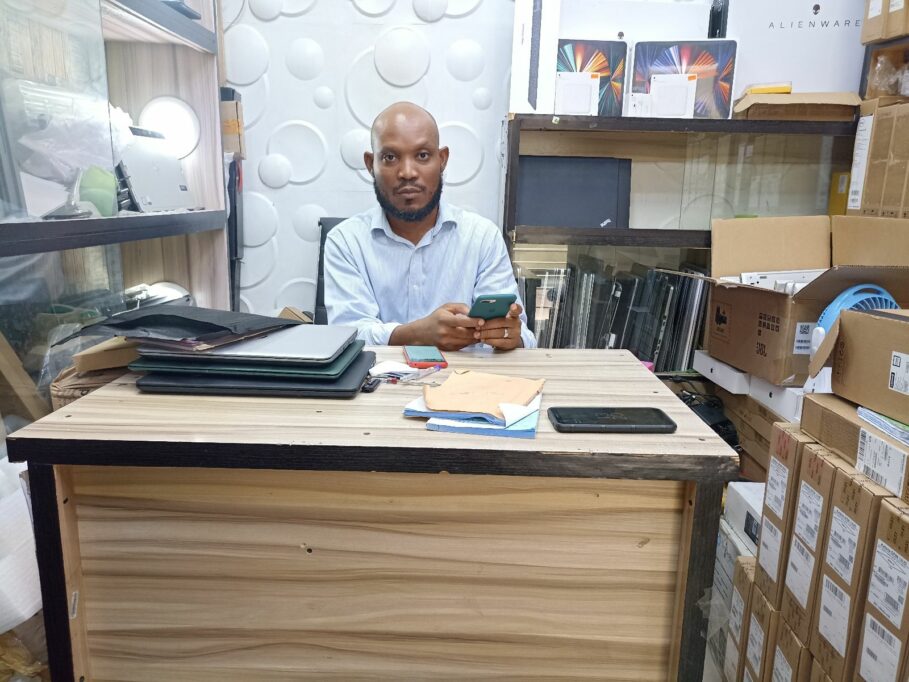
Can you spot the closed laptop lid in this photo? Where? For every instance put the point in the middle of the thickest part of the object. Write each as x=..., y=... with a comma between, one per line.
x=302, y=343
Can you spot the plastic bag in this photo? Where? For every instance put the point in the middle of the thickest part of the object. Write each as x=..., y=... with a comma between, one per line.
x=884, y=78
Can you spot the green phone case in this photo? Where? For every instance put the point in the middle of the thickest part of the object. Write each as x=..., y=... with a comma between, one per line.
x=492, y=306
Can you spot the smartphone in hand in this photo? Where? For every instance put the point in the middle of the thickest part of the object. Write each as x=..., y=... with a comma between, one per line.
x=492, y=306
x=424, y=357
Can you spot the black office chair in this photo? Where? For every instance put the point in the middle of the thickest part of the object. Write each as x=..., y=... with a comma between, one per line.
x=327, y=225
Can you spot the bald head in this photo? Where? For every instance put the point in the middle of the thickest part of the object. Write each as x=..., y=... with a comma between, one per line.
x=404, y=119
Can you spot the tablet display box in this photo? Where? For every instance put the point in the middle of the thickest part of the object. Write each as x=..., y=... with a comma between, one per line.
x=815, y=486
x=849, y=544
x=869, y=351
x=786, y=447
x=885, y=627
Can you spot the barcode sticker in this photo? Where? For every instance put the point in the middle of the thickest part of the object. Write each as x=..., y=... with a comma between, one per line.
x=899, y=372
x=833, y=623
x=769, y=551
x=731, y=662
x=889, y=582
x=782, y=671
x=875, y=8
x=803, y=332
x=800, y=572
x=755, y=645
x=736, y=615
x=809, y=512
x=842, y=543
x=775, y=492
x=880, y=655
x=881, y=462
x=860, y=161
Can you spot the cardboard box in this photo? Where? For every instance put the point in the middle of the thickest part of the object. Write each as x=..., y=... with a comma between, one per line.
x=897, y=22
x=889, y=246
x=750, y=412
x=885, y=628
x=878, y=160
x=817, y=672
x=743, y=511
x=750, y=469
x=786, y=448
x=875, y=24
x=723, y=375
x=849, y=541
x=897, y=165
x=753, y=444
x=784, y=401
x=768, y=333
x=739, y=616
x=733, y=660
x=815, y=485
x=115, y=352
x=729, y=547
x=870, y=356
x=838, y=199
x=762, y=634
x=811, y=106
x=870, y=135
x=791, y=658
x=232, y=138
x=835, y=423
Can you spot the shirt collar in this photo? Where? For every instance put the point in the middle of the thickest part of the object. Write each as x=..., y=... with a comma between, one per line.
x=447, y=218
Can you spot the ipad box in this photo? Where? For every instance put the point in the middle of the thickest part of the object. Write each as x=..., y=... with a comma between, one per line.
x=835, y=423
x=786, y=447
x=885, y=627
x=762, y=633
x=815, y=487
x=791, y=658
x=869, y=352
x=743, y=511
x=849, y=545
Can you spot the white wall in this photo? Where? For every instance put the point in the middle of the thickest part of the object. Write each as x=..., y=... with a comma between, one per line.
x=313, y=75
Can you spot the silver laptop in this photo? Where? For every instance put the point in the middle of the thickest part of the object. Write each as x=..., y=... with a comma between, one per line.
x=300, y=344
x=154, y=175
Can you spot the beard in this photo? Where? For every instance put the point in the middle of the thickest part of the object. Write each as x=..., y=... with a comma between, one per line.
x=414, y=216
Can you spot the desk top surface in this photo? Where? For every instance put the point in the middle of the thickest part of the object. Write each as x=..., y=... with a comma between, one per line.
x=119, y=425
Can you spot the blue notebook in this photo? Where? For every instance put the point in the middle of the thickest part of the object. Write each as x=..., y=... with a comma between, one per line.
x=523, y=428
x=417, y=408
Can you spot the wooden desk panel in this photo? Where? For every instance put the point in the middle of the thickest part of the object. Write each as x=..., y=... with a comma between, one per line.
x=317, y=575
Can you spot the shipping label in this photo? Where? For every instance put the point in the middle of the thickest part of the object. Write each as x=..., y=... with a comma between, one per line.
x=803, y=332
x=889, y=581
x=875, y=8
x=755, y=645
x=899, y=372
x=896, y=5
x=736, y=615
x=842, y=544
x=809, y=512
x=881, y=462
x=860, y=161
x=769, y=554
x=798, y=575
x=880, y=655
x=782, y=671
x=833, y=623
x=777, y=481
x=731, y=660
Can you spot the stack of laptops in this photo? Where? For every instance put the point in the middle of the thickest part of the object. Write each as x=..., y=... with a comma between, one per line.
x=305, y=361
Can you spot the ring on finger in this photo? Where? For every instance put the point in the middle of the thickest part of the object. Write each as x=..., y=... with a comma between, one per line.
x=505, y=335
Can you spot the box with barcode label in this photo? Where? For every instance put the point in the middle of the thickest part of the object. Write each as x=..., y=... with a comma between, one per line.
x=812, y=510
x=855, y=505
x=885, y=627
x=739, y=615
x=786, y=446
x=791, y=660
x=762, y=634
x=835, y=422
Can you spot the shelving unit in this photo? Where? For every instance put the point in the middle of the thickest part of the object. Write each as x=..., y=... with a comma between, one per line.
x=153, y=21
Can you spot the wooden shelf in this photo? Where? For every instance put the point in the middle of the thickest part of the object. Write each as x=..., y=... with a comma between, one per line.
x=56, y=235
x=526, y=234
x=670, y=125
x=151, y=21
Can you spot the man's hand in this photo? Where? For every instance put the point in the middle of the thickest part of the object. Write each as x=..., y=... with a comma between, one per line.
x=502, y=333
x=447, y=328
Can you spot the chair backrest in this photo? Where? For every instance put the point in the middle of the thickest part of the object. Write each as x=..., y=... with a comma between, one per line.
x=327, y=225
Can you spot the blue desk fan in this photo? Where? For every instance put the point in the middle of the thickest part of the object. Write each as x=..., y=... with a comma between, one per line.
x=859, y=297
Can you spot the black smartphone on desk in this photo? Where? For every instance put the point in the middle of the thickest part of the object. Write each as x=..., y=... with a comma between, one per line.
x=610, y=420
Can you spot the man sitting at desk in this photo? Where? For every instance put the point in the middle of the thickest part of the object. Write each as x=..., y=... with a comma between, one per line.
x=405, y=272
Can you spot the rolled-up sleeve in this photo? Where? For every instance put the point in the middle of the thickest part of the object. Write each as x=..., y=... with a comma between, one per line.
x=496, y=276
x=349, y=299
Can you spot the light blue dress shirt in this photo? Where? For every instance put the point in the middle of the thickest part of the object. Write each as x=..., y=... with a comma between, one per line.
x=376, y=280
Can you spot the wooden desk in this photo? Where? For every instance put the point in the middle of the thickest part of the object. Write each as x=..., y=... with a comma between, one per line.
x=224, y=538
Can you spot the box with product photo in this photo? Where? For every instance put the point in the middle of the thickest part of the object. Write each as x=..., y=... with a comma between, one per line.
x=786, y=447
x=768, y=333
x=849, y=543
x=836, y=423
x=791, y=658
x=815, y=486
x=743, y=511
x=815, y=46
x=885, y=627
x=762, y=634
x=869, y=352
